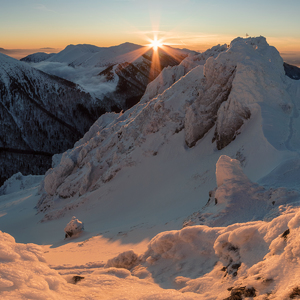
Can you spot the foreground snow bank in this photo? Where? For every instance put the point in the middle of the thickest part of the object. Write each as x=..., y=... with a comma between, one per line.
x=24, y=273
x=198, y=262
x=255, y=258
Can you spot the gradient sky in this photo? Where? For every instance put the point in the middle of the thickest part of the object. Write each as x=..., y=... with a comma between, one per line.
x=193, y=24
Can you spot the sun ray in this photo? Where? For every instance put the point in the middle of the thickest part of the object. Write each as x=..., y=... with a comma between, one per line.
x=155, y=50
x=133, y=55
x=155, y=65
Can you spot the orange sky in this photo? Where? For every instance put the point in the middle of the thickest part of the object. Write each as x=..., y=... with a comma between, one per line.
x=193, y=24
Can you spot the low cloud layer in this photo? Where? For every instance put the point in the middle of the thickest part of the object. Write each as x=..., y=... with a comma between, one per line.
x=86, y=77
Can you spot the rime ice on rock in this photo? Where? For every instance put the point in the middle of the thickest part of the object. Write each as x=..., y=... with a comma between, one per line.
x=73, y=227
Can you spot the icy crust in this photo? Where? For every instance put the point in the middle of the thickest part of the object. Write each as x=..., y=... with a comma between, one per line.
x=170, y=75
x=236, y=199
x=246, y=79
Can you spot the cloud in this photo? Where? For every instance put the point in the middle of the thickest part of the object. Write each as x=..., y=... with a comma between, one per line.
x=47, y=48
x=43, y=7
x=86, y=77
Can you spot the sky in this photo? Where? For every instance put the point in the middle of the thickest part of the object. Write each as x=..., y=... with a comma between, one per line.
x=51, y=25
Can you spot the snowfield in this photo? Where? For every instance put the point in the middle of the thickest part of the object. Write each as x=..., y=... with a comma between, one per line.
x=193, y=193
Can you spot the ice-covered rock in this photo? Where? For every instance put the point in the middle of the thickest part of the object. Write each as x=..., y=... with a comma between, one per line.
x=238, y=199
x=73, y=228
x=228, y=169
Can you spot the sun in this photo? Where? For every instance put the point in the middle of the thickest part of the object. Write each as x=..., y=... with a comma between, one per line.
x=155, y=44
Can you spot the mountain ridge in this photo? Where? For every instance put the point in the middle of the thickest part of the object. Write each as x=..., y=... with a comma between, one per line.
x=28, y=97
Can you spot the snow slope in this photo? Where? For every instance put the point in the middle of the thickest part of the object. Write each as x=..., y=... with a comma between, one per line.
x=196, y=173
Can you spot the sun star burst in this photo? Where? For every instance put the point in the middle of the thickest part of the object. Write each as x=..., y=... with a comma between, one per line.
x=155, y=44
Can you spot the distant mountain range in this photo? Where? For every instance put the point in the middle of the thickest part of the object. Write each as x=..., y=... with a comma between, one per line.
x=117, y=75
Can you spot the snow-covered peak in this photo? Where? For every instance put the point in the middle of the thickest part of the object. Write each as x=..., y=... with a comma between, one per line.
x=89, y=56
x=37, y=57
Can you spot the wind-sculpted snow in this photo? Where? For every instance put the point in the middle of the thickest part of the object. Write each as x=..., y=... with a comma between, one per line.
x=248, y=258
x=243, y=81
x=258, y=77
x=143, y=177
x=236, y=199
x=117, y=143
